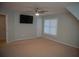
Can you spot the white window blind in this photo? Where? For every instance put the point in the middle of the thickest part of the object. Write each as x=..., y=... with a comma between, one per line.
x=50, y=26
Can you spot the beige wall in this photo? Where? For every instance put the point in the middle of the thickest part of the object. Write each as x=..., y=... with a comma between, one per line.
x=67, y=29
x=39, y=26
x=24, y=31
x=17, y=31
x=9, y=23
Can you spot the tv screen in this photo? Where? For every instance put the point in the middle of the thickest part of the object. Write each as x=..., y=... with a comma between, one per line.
x=26, y=19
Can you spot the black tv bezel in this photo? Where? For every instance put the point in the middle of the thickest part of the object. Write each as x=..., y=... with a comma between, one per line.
x=25, y=22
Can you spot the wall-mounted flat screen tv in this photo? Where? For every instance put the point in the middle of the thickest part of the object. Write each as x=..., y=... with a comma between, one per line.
x=27, y=19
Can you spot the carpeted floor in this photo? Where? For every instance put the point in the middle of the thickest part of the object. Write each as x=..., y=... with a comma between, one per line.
x=39, y=47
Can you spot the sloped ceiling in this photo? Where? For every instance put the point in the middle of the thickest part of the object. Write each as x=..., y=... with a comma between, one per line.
x=51, y=7
x=74, y=9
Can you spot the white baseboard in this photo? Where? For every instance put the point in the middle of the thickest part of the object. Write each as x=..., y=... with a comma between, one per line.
x=21, y=39
x=75, y=46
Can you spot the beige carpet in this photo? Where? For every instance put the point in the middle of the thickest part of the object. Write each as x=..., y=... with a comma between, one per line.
x=38, y=47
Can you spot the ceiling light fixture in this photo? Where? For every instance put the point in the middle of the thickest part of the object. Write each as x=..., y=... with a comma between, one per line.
x=37, y=14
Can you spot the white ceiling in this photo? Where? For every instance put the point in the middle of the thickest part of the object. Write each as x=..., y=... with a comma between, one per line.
x=51, y=7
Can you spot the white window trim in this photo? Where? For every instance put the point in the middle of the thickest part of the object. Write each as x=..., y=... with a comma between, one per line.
x=55, y=27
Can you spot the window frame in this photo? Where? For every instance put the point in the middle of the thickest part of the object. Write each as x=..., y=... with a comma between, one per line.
x=50, y=27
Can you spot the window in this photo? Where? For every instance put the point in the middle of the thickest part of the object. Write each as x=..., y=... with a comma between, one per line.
x=50, y=26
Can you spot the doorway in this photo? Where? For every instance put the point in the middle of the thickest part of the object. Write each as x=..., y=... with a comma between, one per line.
x=2, y=30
